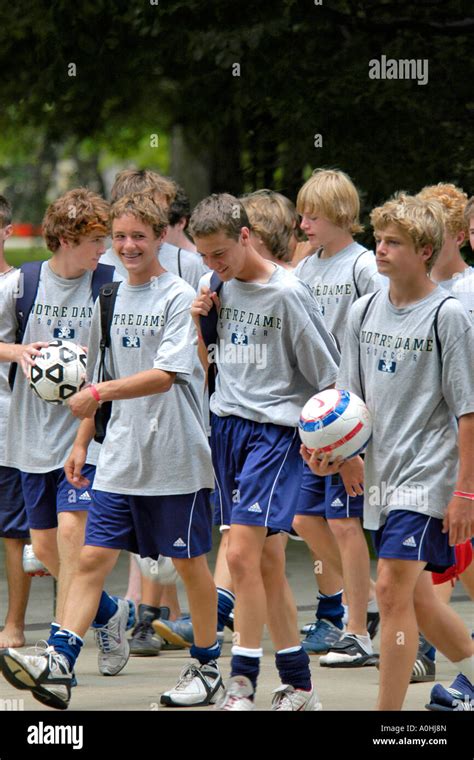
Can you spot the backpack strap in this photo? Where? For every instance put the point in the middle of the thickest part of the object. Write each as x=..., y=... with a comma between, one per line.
x=209, y=331
x=364, y=314
x=101, y=276
x=30, y=273
x=354, y=272
x=107, y=298
x=435, y=326
x=179, y=262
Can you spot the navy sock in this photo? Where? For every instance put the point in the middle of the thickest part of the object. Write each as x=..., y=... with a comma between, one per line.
x=225, y=605
x=293, y=668
x=68, y=644
x=330, y=608
x=246, y=666
x=107, y=609
x=431, y=654
x=55, y=627
x=205, y=654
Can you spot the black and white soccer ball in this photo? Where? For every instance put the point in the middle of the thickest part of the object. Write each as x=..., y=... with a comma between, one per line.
x=59, y=372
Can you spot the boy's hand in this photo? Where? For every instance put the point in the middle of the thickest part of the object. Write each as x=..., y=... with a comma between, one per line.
x=459, y=520
x=352, y=474
x=320, y=466
x=83, y=404
x=73, y=467
x=26, y=354
x=203, y=303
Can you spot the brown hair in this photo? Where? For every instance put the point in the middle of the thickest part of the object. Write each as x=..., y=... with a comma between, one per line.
x=75, y=214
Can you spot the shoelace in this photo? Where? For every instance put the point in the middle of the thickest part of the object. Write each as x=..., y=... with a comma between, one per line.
x=104, y=638
x=285, y=699
x=41, y=650
x=141, y=629
x=186, y=677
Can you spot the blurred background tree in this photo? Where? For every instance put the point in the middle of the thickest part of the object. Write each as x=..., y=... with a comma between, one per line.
x=232, y=94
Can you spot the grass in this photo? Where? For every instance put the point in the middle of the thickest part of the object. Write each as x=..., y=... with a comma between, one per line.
x=17, y=256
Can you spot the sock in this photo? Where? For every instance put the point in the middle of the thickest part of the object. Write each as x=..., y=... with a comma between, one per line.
x=246, y=662
x=55, y=627
x=364, y=641
x=68, y=644
x=330, y=608
x=205, y=654
x=225, y=605
x=107, y=609
x=466, y=668
x=372, y=605
x=426, y=648
x=293, y=668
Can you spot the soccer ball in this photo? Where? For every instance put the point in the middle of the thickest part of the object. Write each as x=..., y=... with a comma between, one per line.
x=59, y=372
x=336, y=422
x=161, y=570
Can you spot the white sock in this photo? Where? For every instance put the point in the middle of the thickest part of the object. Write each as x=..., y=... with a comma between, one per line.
x=364, y=641
x=244, y=652
x=466, y=667
x=372, y=605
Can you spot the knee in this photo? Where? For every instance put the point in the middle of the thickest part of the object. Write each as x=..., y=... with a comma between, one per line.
x=93, y=561
x=71, y=531
x=346, y=530
x=240, y=564
x=388, y=597
x=191, y=569
x=45, y=548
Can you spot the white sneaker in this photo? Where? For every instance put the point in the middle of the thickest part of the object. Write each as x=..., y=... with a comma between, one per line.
x=198, y=685
x=238, y=691
x=114, y=646
x=31, y=564
x=46, y=674
x=289, y=699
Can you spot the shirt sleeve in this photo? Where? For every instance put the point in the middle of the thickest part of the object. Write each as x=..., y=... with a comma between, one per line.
x=177, y=349
x=350, y=371
x=456, y=335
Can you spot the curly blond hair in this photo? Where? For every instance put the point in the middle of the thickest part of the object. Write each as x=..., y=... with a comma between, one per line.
x=76, y=214
x=453, y=201
x=421, y=220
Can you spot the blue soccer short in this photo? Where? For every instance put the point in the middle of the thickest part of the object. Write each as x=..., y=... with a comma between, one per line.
x=48, y=493
x=327, y=497
x=173, y=526
x=13, y=517
x=414, y=536
x=258, y=471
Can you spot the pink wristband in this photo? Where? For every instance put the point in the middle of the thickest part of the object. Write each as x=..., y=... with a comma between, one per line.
x=464, y=495
x=95, y=393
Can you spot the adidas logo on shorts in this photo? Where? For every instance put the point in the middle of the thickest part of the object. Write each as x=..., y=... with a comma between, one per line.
x=410, y=541
x=337, y=503
x=179, y=543
x=255, y=508
x=85, y=496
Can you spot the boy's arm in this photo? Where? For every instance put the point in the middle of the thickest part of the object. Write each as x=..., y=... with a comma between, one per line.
x=76, y=459
x=459, y=518
x=21, y=353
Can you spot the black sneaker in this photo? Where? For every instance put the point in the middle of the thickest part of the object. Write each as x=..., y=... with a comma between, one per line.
x=348, y=653
x=144, y=641
x=373, y=622
x=424, y=669
x=46, y=674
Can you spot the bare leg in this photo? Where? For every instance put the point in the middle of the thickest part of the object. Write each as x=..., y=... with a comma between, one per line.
x=169, y=598
x=202, y=598
x=222, y=577
x=133, y=591
x=318, y=536
x=71, y=531
x=19, y=584
x=45, y=547
x=244, y=555
x=396, y=582
x=281, y=606
x=356, y=570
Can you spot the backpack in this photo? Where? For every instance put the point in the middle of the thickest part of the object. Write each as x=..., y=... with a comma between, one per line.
x=30, y=273
x=209, y=331
x=107, y=297
x=435, y=329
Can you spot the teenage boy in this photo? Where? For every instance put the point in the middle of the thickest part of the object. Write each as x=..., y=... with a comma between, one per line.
x=463, y=288
x=272, y=353
x=13, y=521
x=39, y=435
x=329, y=512
x=407, y=351
x=147, y=497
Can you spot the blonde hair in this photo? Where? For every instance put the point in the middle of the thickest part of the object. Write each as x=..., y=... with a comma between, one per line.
x=331, y=194
x=74, y=215
x=469, y=211
x=143, y=207
x=421, y=220
x=131, y=181
x=273, y=217
x=453, y=201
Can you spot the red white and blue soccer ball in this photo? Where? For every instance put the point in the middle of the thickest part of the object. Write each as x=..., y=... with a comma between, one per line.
x=336, y=422
x=59, y=372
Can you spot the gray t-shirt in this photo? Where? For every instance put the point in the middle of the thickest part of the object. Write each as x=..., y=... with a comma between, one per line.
x=273, y=351
x=7, y=335
x=39, y=436
x=415, y=396
x=187, y=265
x=339, y=281
x=155, y=445
x=456, y=279
x=463, y=289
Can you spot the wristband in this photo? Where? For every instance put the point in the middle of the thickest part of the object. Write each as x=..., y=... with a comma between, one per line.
x=464, y=495
x=95, y=393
